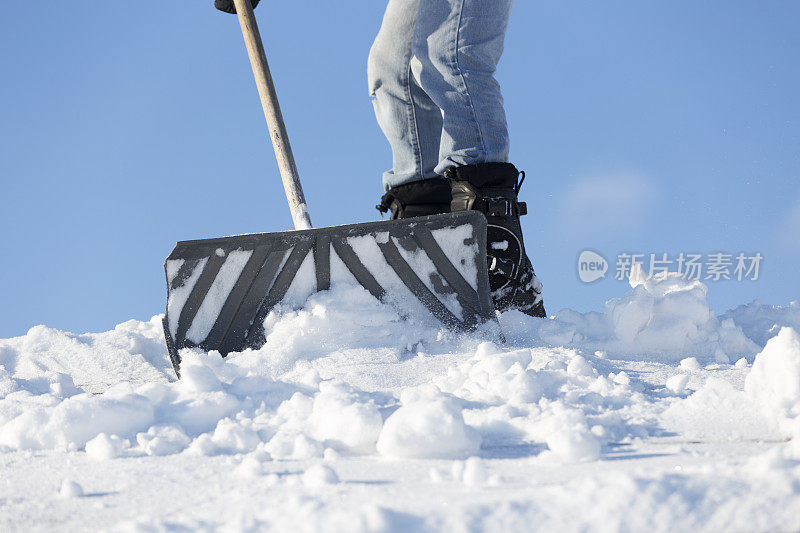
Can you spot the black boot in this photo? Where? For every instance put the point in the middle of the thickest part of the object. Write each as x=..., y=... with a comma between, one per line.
x=417, y=199
x=492, y=189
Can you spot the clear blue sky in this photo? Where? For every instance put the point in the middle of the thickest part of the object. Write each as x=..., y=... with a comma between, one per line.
x=652, y=127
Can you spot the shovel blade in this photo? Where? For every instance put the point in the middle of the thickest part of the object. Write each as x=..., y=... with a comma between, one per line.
x=219, y=291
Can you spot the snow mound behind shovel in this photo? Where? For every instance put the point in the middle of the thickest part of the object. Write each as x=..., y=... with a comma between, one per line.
x=662, y=318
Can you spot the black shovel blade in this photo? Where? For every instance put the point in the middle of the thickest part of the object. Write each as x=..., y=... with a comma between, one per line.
x=219, y=291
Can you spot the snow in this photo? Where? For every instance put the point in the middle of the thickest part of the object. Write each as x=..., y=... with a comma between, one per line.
x=319, y=475
x=718, y=411
x=427, y=425
x=664, y=317
x=104, y=447
x=303, y=284
x=162, y=440
x=457, y=244
x=45, y=357
x=366, y=248
x=774, y=381
x=761, y=322
x=70, y=489
x=217, y=293
x=352, y=418
x=691, y=364
x=178, y=295
x=424, y=268
x=677, y=383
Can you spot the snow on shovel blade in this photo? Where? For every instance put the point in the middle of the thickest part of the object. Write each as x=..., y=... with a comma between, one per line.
x=219, y=291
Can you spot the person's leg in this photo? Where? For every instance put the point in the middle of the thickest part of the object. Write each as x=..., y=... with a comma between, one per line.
x=456, y=47
x=410, y=120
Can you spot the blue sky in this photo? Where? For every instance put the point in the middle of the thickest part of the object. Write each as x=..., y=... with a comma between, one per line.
x=649, y=127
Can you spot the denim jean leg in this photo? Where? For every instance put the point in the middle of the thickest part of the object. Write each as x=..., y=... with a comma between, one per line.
x=457, y=45
x=409, y=119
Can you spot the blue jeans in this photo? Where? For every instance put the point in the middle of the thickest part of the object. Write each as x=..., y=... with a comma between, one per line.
x=431, y=76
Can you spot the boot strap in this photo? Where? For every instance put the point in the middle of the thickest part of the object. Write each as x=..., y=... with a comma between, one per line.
x=500, y=207
x=401, y=210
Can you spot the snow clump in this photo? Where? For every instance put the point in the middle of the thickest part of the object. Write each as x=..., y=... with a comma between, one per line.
x=677, y=383
x=427, y=425
x=104, y=447
x=70, y=489
x=319, y=475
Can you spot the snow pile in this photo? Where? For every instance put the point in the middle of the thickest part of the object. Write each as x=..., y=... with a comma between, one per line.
x=275, y=403
x=50, y=420
x=489, y=398
x=216, y=408
x=760, y=322
x=343, y=319
x=544, y=396
x=718, y=411
x=663, y=318
x=767, y=408
x=132, y=352
x=774, y=383
x=321, y=422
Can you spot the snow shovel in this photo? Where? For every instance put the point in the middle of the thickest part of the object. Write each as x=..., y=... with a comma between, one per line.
x=219, y=291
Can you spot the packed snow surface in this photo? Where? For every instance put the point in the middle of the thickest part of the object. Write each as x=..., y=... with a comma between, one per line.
x=650, y=414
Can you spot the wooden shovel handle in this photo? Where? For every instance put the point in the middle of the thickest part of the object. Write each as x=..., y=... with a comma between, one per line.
x=272, y=112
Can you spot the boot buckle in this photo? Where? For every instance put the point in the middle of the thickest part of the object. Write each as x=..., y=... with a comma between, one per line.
x=501, y=207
